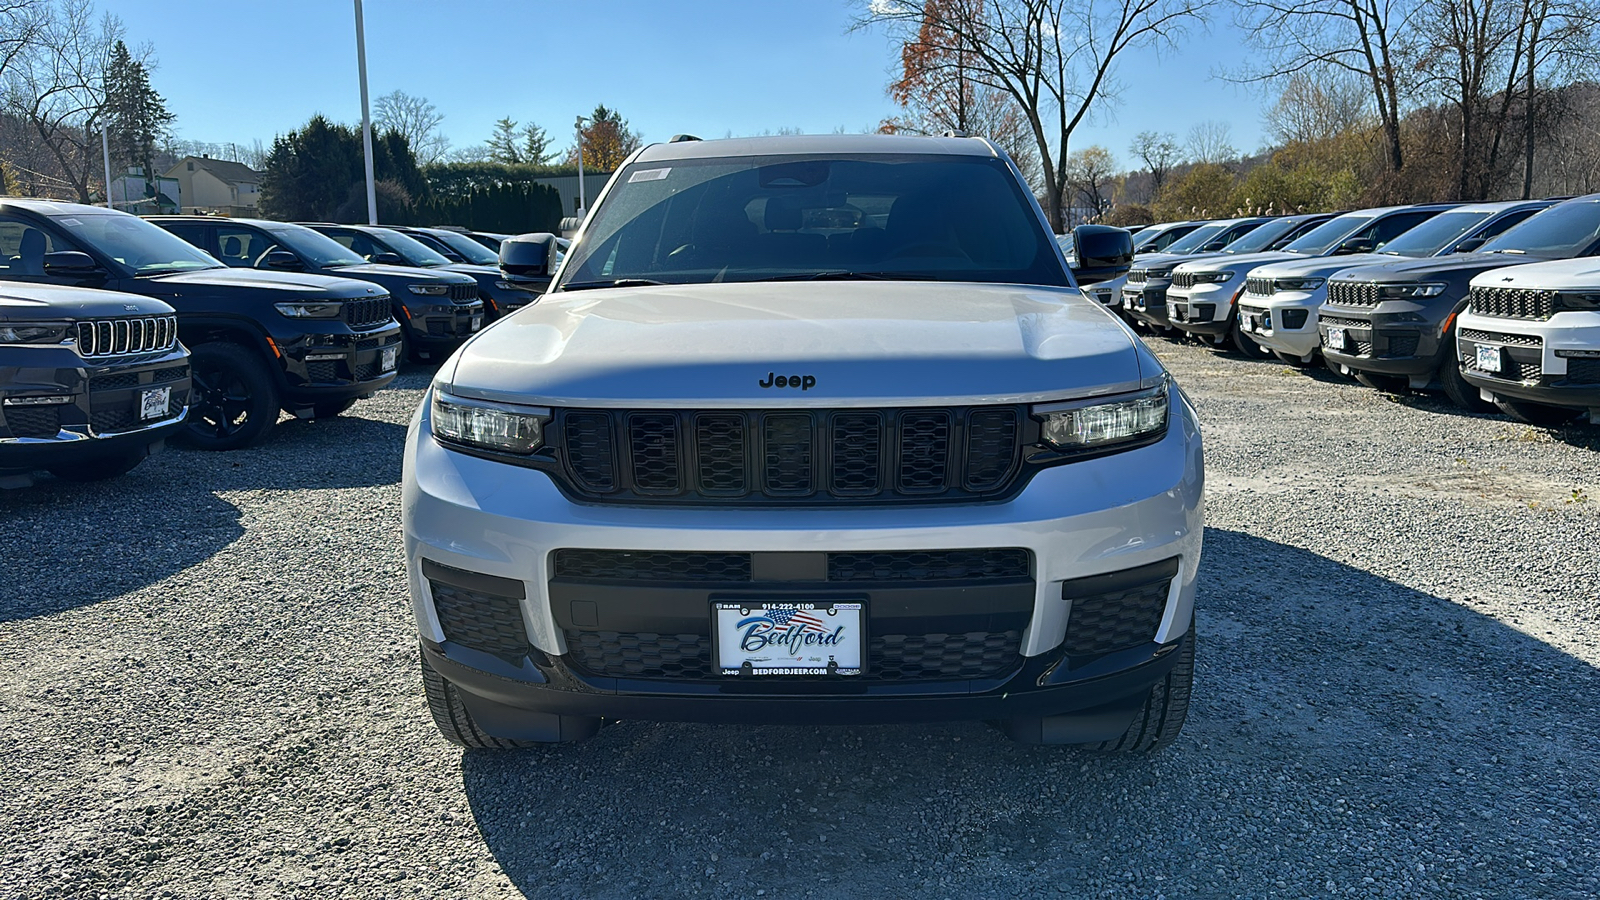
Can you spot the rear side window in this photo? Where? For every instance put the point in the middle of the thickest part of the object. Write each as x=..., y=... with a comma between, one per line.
x=22, y=248
x=1388, y=228
x=242, y=248
x=1505, y=222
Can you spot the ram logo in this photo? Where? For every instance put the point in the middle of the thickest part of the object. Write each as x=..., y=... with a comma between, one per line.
x=803, y=382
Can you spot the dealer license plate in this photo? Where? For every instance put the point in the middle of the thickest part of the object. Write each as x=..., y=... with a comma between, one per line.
x=1489, y=358
x=802, y=638
x=477, y=322
x=153, y=403
x=1336, y=338
x=389, y=358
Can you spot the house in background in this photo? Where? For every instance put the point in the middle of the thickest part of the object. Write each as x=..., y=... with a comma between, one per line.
x=216, y=186
x=131, y=192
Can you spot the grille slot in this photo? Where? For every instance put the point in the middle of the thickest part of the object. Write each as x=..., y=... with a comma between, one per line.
x=487, y=622
x=1512, y=303
x=366, y=313
x=114, y=337
x=322, y=370
x=1402, y=345
x=464, y=292
x=817, y=456
x=1137, y=276
x=1336, y=322
x=1352, y=293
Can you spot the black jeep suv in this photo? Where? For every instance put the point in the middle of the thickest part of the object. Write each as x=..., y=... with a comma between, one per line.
x=472, y=258
x=385, y=245
x=91, y=382
x=437, y=311
x=259, y=341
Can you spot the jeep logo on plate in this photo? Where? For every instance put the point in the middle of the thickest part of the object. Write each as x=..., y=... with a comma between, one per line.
x=803, y=382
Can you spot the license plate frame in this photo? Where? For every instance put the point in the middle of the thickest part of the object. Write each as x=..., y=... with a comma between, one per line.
x=389, y=358
x=1336, y=340
x=736, y=628
x=1491, y=358
x=154, y=402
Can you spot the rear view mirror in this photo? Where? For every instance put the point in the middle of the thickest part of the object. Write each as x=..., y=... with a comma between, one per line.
x=281, y=259
x=1104, y=253
x=69, y=262
x=529, y=260
x=389, y=259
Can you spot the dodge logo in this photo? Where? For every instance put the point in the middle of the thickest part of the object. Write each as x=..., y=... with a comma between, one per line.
x=803, y=382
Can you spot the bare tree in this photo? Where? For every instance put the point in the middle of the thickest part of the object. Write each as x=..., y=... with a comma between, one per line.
x=20, y=23
x=1211, y=142
x=1159, y=152
x=1559, y=36
x=1366, y=38
x=1318, y=109
x=1090, y=175
x=417, y=120
x=1054, y=57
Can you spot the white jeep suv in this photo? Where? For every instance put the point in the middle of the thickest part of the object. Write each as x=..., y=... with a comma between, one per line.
x=809, y=430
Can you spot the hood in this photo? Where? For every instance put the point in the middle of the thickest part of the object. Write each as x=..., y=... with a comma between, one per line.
x=1168, y=260
x=1222, y=261
x=1456, y=266
x=1322, y=265
x=1582, y=274
x=377, y=271
x=39, y=302
x=848, y=343
x=473, y=269
x=272, y=285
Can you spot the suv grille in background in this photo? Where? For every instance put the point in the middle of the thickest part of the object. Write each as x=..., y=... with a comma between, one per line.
x=1350, y=293
x=1512, y=303
x=113, y=337
x=1136, y=276
x=1183, y=279
x=842, y=455
x=463, y=292
x=368, y=312
x=1261, y=287
x=733, y=568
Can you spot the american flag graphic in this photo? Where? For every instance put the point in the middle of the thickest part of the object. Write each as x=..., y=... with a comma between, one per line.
x=784, y=616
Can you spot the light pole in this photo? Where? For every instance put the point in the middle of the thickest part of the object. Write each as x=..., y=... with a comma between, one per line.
x=582, y=201
x=105, y=154
x=366, y=118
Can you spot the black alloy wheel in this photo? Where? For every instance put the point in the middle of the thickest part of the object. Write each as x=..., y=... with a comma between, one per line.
x=234, y=403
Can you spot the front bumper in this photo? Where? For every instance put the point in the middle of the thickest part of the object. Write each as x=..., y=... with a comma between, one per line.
x=103, y=410
x=1396, y=337
x=339, y=363
x=431, y=329
x=1271, y=320
x=1534, y=356
x=1092, y=518
x=1147, y=302
x=1202, y=309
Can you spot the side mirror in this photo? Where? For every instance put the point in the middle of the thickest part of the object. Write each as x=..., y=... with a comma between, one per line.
x=389, y=259
x=282, y=259
x=529, y=260
x=69, y=262
x=1354, y=245
x=1213, y=246
x=1470, y=244
x=1104, y=253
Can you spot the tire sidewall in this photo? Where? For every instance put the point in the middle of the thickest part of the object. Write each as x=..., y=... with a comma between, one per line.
x=262, y=409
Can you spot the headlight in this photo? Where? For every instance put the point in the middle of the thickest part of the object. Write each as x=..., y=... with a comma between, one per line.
x=429, y=290
x=1576, y=302
x=310, y=310
x=34, y=333
x=493, y=426
x=1152, y=274
x=1087, y=424
x=1409, y=291
x=1297, y=284
x=506, y=286
x=1211, y=277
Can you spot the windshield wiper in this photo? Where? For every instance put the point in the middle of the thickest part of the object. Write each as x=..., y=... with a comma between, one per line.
x=620, y=282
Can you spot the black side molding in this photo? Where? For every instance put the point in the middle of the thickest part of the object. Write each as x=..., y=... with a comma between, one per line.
x=1114, y=582
x=473, y=581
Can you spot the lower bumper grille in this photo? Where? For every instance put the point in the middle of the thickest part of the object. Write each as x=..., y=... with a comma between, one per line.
x=1583, y=371
x=490, y=623
x=33, y=421
x=1117, y=611
x=732, y=568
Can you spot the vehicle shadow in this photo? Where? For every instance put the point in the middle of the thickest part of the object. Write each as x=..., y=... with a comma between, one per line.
x=1344, y=727
x=68, y=545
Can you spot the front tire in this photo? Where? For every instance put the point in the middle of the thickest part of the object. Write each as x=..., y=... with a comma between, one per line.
x=1165, y=709
x=235, y=400
x=1246, y=344
x=1537, y=413
x=454, y=721
x=1461, y=392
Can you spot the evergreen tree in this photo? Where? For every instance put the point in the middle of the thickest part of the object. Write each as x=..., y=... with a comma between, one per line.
x=535, y=145
x=136, y=115
x=503, y=143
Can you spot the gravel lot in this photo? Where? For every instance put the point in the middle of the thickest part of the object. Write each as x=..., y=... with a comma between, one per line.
x=212, y=691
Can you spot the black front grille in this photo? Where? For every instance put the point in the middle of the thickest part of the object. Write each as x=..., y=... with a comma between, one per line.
x=999, y=563
x=33, y=421
x=1352, y=293
x=1500, y=337
x=1512, y=303
x=890, y=657
x=464, y=292
x=1136, y=276
x=778, y=457
x=366, y=313
x=366, y=371
x=1183, y=279
x=1116, y=620
x=114, y=337
x=487, y=622
x=1261, y=287
x=1583, y=371
x=177, y=373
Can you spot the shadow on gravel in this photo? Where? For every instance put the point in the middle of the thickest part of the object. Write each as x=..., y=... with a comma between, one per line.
x=66, y=545
x=1349, y=736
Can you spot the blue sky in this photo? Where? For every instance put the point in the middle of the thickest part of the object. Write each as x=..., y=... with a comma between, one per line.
x=705, y=67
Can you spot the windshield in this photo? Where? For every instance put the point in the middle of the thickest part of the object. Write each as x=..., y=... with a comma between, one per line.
x=1198, y=238
x=410, y=249
x=318, y=249
x=1560, y=232
x=1323, y=239
x=1435, y=234
x=1264, y=236
x=944, y=218
x=137, y=245
x=1142, y=234
x=467, y=247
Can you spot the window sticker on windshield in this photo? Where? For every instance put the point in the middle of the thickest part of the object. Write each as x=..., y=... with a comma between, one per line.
x=70, y=223
x=648, y=175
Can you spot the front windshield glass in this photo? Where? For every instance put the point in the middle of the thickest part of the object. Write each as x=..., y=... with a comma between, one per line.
x=759, y=218
x=1560, y=232
x=467, y=247
x=1262, y=236
x=1197, y=238
x=411, y=250
x=1435, y=234
x=1321, y=240
x=320, y=250
x=138, y=246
